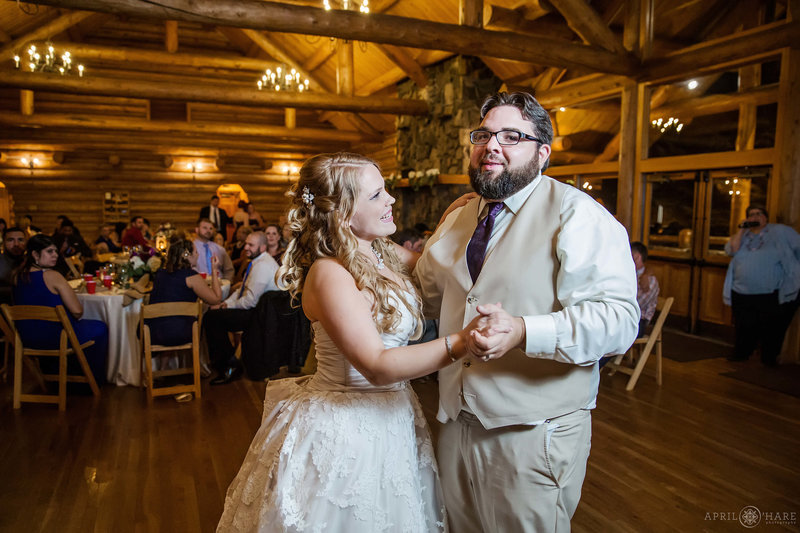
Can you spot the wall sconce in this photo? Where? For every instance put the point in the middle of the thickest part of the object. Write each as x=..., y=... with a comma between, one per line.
x=30, y=162
x=195, y=166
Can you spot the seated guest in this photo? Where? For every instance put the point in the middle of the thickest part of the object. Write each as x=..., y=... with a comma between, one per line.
x=235, y=313
x=410, y=239
x=647, y=293
x=236, y=248
x=69, y=241
x=207, y=248
x=36, y=283
x=179, y=282
x=240, y=217
x=133, y=236
x=3, y=225
x=274, y=248
x=254, y=218
x=26, y=223
x=146, y=230
x=219, y=240
x=12, y=257
x=105, y=243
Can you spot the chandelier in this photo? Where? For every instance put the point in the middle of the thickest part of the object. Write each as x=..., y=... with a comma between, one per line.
x=282, y=79
x=668, y=124
x=349, y=5
x=49, y=62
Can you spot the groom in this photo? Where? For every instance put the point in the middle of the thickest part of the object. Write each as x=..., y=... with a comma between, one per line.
x=517, y=432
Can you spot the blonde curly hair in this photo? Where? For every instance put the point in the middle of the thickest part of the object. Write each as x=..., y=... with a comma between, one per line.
x=320, y=229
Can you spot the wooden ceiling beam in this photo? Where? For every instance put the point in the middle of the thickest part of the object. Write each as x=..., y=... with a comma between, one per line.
x=735, y=50
x=175, y=126
x=45, y=31
x=585, y=22
x=155, y=57
x=219, y=93
x=379, y=28
x=407, y=64
x=716, y=103
x=155, y=144
x=581, y=90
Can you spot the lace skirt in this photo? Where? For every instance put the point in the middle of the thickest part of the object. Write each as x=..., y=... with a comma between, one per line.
x=337, y=462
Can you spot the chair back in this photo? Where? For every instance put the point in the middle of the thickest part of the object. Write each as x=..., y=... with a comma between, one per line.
x=68, y=339
x=161, y=310
x=663, y=306
x=168, y=309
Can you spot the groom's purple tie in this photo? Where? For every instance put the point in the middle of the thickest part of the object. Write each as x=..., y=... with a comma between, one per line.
x=476, y=249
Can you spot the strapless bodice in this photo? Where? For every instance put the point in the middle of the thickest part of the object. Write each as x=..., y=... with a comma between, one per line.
x=335, y=372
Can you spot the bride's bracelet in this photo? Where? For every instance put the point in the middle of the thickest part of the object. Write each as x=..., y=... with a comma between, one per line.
x=449, y=348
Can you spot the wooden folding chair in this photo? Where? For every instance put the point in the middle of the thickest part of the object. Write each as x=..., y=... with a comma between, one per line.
x=192, y=309
x=68, y=345
x=642, y=347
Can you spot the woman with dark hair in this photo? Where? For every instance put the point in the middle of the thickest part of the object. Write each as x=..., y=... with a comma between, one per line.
x=37, y=283
x=274, y=248
x=254, y=218
x=179, y=282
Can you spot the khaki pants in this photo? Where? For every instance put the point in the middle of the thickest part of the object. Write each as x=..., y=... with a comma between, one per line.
x=516, y=478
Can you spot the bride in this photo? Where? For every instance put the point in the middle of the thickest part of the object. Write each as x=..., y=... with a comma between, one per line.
x=348, y=449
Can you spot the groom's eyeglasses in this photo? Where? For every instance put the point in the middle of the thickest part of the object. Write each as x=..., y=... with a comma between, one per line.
x=504, y=137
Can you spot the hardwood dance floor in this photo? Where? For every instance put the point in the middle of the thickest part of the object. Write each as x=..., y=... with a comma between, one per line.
x=663, y=459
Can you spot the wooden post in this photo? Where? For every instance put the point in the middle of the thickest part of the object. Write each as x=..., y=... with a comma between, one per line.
x=171, y=36
x=290, y=117
x=470, y=13
x=344, y=68
x=784, y=193
x=26, y=102
x=634, y=121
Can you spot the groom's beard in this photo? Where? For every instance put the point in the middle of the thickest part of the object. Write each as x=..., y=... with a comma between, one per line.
x=505, y=184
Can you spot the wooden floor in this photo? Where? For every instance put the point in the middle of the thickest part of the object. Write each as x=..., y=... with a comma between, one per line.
x=662, y=459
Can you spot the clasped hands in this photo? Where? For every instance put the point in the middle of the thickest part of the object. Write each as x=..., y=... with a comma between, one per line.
x=493, y=332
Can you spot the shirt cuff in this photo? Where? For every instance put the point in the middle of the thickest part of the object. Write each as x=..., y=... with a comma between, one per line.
x=540, y=336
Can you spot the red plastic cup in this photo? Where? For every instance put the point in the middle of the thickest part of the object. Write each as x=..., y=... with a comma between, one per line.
x=87, y=277
x=97, y=274
x=107, y=282
x=203, y=275
x=91, y=286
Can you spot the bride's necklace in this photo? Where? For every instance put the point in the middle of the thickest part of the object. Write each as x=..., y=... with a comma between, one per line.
x=379, y=257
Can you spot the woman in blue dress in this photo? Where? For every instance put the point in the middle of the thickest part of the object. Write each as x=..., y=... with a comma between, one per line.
x=36, y=283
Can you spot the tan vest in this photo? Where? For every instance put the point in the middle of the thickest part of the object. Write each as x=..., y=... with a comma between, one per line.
x=521, y=274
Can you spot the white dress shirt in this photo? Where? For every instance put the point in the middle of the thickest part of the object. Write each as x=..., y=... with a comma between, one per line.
x=260, y=279
x=592, y=248
x=586, y=238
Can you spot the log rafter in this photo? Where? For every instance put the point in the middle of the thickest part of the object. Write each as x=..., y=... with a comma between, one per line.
x=380, y=28
x=175, y=126
x=212, y=93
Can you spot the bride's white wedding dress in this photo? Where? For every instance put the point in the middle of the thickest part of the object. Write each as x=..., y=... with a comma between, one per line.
x=337, y=454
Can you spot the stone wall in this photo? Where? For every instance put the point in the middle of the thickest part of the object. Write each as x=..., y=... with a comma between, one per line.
x=439, y=141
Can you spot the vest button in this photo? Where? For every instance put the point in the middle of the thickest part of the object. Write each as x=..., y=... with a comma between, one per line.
x=467, y=364
x=472, y=300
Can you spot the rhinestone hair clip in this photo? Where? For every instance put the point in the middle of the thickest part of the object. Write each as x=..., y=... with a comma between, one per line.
x=307, y=197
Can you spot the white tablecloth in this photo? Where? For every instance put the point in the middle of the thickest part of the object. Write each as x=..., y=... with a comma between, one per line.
x=124, y=349
x=124, y=366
